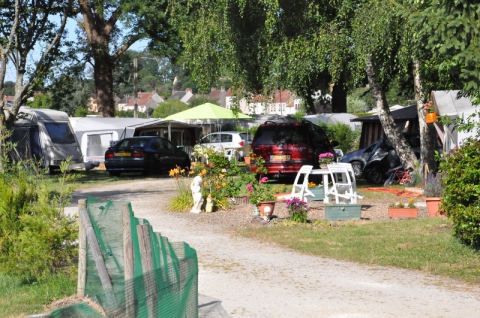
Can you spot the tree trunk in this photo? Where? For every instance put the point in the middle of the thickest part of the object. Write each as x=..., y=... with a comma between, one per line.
x=404, y=151
x=339, y=96
x=427, y=136
x=103, y=70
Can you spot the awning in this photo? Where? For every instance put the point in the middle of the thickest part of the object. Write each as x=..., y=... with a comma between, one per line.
x=404, y=114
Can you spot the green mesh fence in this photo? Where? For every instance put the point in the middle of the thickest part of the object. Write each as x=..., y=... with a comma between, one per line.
x=169, y=290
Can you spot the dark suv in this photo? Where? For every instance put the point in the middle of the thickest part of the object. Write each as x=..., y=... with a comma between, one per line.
x=287, y=146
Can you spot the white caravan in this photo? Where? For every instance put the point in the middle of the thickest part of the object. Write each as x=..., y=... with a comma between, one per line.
x=46, y=134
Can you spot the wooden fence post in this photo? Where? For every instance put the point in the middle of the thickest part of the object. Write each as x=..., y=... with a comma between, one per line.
x=143, y=232
x=82, y=252
x=128, y=263
x=99, y=261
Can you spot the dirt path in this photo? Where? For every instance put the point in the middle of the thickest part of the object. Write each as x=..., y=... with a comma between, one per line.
x=261, y=280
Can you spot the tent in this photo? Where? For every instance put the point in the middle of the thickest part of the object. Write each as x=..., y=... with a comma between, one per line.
x=207, y=111
x=95, y=134
x=448, y=103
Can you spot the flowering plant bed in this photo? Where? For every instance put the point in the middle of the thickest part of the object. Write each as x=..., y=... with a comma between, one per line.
x=298, y=210
x=400, y=210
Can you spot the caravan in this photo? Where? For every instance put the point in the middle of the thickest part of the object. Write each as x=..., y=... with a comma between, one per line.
x=45, y=134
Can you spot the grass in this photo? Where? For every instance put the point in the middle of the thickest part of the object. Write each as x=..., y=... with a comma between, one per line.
x=423, y=244
x=18, y=299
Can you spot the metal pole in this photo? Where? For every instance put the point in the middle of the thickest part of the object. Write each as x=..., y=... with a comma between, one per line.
x=135, y=85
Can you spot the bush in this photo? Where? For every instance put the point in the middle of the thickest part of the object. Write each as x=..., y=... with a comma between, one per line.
x=343, y=134
x=36, y=237
x=461, y=199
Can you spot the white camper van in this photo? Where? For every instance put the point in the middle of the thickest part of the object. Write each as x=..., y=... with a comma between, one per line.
x=45, y=134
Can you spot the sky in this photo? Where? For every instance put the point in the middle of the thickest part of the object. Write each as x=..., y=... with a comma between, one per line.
x=71, y=25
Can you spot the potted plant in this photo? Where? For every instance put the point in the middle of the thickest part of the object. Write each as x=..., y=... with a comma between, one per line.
x=298, y=210
x=433, y=193
x=430, y=115
x=262, y=195
x=325, y=159
x=400, y=210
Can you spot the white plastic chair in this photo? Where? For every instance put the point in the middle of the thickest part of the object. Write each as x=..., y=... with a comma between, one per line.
x=349, y=168
x=342, y=185
x=300, y=190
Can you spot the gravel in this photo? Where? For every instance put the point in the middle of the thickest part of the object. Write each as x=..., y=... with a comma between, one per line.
x=253, y=279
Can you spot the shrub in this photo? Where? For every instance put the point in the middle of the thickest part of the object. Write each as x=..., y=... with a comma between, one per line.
x=36, y=237
x=461, y=199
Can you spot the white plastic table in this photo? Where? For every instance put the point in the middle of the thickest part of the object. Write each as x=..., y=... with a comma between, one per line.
x=324, y=173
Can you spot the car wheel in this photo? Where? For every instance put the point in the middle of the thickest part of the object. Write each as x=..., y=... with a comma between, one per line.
x=114, y=173
x=357, y=169
x=374, y=176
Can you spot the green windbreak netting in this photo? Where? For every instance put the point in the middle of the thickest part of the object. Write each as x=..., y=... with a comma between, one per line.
x=170, y=289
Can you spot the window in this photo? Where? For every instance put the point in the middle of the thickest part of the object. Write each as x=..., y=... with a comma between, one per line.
x=226, y=138
x=60, y=133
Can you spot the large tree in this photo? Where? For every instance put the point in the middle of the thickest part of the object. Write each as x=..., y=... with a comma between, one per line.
x=268, y=44
x=111, y=27
x=30, y=37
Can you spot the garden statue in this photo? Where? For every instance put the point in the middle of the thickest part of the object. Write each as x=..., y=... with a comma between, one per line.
x=196, y=188
x=209, y=204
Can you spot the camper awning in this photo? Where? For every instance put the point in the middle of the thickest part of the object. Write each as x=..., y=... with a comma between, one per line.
x=404, y=114
x=447, y=103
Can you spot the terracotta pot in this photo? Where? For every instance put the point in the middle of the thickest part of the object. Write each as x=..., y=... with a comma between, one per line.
x=247, y=160
x=262, y=205
x=431, y=118
x=432, y=206
x=403, y=213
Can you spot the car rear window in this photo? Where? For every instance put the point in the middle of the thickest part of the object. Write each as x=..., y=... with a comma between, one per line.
x=133, y=143
x=281, y=134
x=245, y=136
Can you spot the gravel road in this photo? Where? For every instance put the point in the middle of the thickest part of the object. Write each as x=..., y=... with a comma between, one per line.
x=261, y=280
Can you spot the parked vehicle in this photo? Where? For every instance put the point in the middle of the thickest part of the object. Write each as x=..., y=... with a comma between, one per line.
x=228, y=140
x=384, y=158
x=46, y=135
x=146, y=154
x=287, y=146
x=358, y=158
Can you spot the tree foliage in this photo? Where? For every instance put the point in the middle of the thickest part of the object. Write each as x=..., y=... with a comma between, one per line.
x=168, y=108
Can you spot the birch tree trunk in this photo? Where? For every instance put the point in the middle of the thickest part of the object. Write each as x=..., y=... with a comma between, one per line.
x=427, y=135
x=404, y=151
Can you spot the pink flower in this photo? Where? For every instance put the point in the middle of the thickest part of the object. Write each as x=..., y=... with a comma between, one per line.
x=325, y=155
x=224, y=170
x=264, y=179
x=249, y=187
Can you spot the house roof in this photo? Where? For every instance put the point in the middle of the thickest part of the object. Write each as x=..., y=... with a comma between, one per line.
x=144, y=98
x=406, y=113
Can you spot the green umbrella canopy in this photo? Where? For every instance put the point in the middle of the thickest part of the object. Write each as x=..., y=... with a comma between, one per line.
x=207, y=111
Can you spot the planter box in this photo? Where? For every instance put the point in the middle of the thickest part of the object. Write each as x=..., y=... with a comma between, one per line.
x=318, y=192
x=403, y=213
x=343, y=211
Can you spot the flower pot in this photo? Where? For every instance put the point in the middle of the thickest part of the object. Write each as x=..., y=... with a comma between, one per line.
x=431, y=118
x=247, y=160
x=266, y=208
x=343, y=211
x=432, y=206
x=403, y=213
